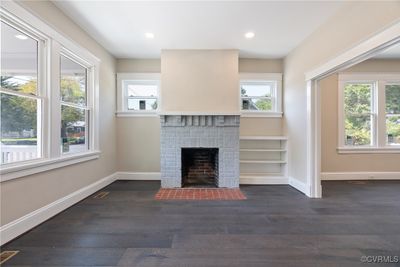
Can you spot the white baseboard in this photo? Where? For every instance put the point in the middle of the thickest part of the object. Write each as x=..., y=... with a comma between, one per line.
x=263, y=180
x=144, y=176
x=25, y=223
x=342, y=176
x=156, y=176
x=301, y=186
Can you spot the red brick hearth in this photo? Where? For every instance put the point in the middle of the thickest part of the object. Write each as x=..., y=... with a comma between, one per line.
x=199, y=194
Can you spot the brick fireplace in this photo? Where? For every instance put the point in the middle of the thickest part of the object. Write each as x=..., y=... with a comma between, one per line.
x=200, y=151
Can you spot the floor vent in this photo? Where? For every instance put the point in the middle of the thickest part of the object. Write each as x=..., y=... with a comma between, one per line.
x=102, y=194
x=6, y=255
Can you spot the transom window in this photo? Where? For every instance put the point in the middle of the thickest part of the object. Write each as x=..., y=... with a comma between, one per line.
x=260, y=93
x=138, y=94
x=369, y=111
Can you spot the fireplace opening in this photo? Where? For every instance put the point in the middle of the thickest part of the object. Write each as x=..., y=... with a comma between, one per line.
x=199, y=167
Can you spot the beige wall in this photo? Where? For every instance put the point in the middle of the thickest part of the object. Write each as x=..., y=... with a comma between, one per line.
x=254, y=65
x=353, y=23
x=138, y=138
x=26, y=194
x=331, y=160
x=139, y=65
x=200, y=81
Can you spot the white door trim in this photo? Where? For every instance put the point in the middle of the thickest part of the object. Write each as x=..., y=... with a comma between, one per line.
x=354, y=55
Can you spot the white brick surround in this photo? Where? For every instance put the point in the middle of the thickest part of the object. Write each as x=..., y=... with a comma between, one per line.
x=188, y=131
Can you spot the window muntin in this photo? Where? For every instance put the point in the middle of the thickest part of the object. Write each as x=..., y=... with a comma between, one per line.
x=258, y=96
x=74, y=110
x=141, y=95
x=21, y=100
x=392, y=107
x=358, y=106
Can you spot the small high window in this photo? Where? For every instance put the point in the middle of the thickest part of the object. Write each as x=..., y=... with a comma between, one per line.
x=138, y=94
x=260, y=94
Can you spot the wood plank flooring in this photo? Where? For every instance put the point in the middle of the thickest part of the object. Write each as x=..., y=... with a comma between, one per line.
x=275, y=226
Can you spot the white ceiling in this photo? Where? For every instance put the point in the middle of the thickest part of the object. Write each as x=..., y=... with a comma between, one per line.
x=120, y=26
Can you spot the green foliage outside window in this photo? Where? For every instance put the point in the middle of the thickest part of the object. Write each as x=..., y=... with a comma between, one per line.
x=357, y=106
x=18, y=113
x=393, y=107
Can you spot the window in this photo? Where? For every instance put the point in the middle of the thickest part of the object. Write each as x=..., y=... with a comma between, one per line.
x=21, y=99
x=49, y=116
x=260, y=94
x=138, y=94
x=74, y=109
x=369, y=112
x=392, y=94
x=358, y=113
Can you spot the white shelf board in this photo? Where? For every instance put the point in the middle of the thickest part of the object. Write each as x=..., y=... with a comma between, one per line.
x=263, y=137
x=262, y=150
x=263, y=179
x=263, y=161
x=261, y=174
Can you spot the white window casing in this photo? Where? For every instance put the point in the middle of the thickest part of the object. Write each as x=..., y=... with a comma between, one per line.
x=123, y=79
x=51, y=45
x=378, y=112
x=276, y=96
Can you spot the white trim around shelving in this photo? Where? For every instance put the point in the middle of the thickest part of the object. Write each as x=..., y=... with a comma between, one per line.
x=262, y=180
x=262, y=161
x=262, y=150
x=300, y=186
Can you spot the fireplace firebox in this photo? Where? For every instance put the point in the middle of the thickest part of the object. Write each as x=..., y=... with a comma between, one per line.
x=199, y=167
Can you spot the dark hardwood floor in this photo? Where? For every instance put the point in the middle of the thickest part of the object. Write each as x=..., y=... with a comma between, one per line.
x=275, y=226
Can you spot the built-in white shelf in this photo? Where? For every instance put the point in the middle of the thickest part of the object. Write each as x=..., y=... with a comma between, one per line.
x=255, y=137
x=263, y=160
x=261, y=175
x=261, y=150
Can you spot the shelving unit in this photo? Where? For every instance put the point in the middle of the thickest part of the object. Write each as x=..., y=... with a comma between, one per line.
x=263, y=160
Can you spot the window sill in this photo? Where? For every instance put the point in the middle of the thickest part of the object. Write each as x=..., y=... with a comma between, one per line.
x=260, y=114
x=137, y=114
x=368, y=150
x=37, y=166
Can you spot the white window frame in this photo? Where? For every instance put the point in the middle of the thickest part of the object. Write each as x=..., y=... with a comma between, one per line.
x=54, y=44
x=378, y=110
x=276, y=94
x=41, y=93
x=122, y=97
